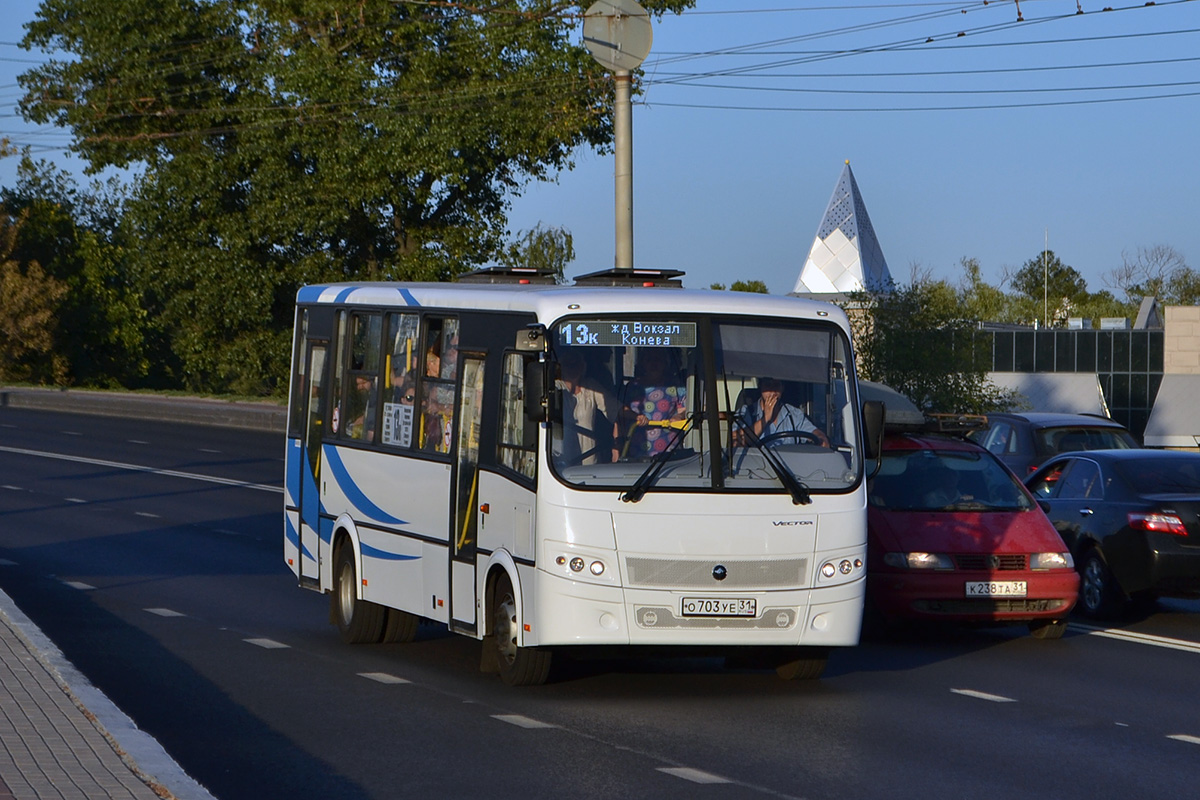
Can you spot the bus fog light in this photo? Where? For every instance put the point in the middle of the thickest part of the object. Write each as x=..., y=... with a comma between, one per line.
x=577, y=564
x=845, y=566
x=597, y=568
x=820, y=622
x=608, y=621
x=828, y=570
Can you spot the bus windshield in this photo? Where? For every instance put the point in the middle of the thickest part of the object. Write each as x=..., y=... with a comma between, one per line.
x=703, y=403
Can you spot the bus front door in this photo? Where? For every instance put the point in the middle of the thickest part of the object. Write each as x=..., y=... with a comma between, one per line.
x=310, y=478
x=464, y=536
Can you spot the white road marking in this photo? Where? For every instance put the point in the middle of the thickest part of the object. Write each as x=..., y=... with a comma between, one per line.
x=136, y=441
x=12, y=488
x=71, y=433
x=80, y=585
x=693, y=775
x=4, y=562
x=383, y=677
x=267, y=644
x=1139, y=638
x=262, y=487
x=522, y=722
x=146, y=514
x=1183, y=737
x=164, y=612
x=991, y=698
x=208, y=450
x=75, y=500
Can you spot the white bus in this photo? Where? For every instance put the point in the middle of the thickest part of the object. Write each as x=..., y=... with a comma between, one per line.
x=620, y=463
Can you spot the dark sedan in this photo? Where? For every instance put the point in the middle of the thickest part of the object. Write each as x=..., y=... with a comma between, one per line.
x=1131, y=519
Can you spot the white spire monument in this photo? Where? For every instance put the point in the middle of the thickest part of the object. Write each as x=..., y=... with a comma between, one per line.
x=845, y=255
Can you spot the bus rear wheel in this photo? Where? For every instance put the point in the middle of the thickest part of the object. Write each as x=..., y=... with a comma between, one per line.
x=519, y=666
x=357, y=620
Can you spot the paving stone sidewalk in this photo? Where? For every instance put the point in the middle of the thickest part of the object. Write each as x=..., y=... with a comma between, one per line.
x=62, y=738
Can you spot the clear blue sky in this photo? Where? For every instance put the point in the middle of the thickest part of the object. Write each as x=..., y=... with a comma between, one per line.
x=977, y=146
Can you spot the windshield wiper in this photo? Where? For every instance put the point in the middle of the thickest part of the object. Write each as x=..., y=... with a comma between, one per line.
x=657, y=462
x=795, y=486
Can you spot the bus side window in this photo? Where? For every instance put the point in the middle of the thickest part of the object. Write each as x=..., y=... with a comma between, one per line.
x=436, y=432
x=517, y=443
x=362, y=384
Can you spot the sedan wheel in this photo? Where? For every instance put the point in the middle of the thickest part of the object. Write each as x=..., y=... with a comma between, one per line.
x=1099, y=595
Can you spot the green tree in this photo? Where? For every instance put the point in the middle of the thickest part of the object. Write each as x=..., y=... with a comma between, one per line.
x=916, y=340
x=75, y=237
x=279, y=144
x=548, y=248
x=1159, y=271
x=1050, y=286
x=755, y=286
x=29, y=301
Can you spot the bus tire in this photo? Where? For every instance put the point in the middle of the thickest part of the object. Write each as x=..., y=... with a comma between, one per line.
x=401, y=626
x=357, y=620
x=519, y=666
x=807, y=666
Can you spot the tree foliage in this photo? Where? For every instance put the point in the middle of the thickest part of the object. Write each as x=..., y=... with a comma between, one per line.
x=285, y=143
x=29, y=301
x=917, y=341
x=74, y=236
x=1159, y=271
x=544, y=248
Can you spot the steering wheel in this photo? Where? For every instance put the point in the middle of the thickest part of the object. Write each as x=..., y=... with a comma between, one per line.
x=801, y=437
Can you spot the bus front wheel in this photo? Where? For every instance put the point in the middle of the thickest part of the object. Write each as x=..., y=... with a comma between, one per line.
x=804, y=665
x=519, y=666
x=357, y=620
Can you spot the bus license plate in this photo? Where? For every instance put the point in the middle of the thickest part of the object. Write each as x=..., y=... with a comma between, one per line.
x=996, y=588
x=719, y=607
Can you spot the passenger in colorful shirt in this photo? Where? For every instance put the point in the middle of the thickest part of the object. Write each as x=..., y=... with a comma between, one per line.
x=655, y=395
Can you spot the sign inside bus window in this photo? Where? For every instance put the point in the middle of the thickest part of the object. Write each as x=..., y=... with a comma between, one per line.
x=600, y=333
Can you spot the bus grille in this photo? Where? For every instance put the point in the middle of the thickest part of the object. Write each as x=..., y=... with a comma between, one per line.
x=675, y=573
x=661, y=617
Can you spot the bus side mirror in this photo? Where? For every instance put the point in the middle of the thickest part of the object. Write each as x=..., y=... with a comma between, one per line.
x=874, y=412
x=536, y=384
x=531, y=338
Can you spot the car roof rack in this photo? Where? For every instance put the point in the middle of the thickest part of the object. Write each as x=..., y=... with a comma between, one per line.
x=519, y=275
x=957, y=424
x=628, y=276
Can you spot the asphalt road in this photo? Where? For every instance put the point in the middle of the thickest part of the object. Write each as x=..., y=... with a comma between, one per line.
x=150, y=553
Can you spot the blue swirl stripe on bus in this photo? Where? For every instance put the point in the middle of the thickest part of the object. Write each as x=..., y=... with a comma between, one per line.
x=408, y=297
x=354, y=494
x=293, y=537
x=383, y=555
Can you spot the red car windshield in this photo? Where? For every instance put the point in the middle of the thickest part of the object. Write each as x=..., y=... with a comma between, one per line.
x=945, y=480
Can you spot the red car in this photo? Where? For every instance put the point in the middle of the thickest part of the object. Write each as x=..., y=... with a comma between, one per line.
x=953, y=535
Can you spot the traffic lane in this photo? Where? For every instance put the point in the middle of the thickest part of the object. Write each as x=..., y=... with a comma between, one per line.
x=253, y=717
x=246, y=455
x=702, y=680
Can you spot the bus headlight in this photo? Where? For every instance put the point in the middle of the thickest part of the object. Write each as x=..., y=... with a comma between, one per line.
x=582, y=563
x=840, y=570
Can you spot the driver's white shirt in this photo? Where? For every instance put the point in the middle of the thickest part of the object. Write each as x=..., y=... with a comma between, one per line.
x=787, y=418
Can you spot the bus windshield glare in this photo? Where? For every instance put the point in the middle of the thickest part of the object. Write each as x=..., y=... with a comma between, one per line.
x=703, y=403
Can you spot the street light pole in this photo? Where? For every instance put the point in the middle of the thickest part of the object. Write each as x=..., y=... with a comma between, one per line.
x=623, y=144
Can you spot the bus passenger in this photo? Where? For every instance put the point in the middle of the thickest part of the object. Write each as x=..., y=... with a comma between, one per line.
x=655, y=395
x=589, y=411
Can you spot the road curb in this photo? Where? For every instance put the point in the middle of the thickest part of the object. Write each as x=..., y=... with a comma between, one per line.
x=262, y=416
